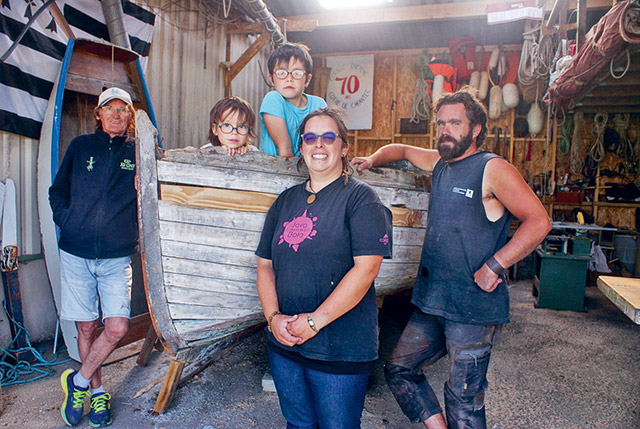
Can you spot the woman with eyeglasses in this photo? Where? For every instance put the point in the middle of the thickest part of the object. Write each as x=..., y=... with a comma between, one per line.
x=321, y=248
x=231, y=126
x=283, y=109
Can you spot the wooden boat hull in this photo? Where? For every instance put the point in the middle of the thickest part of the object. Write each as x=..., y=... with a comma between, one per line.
x=87, y=68
x=201, y=215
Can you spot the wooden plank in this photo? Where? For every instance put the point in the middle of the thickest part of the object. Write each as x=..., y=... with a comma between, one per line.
x=169, y=386
x=199, y=332
x=209, y=254
x=427, y=13
x=187, y=281
x=408, y=236
x=258, y=202
x=304, y=25
x=215, y=271
x=248, y=221
x=624, y=292
x=274, y=183
x=147, y=347
x=177, y=295
x=248, y=55
x=582, y=24
x=149, y=225
x=259, y=162
x=190, y=311
x=125, y=352
x=217, y=198
x=209, y=235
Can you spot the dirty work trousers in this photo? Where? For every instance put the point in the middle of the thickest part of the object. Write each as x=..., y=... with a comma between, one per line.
x=427, y=338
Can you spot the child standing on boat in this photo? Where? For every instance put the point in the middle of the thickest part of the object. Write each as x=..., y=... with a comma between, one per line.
x=231, y=124
x=283, y=110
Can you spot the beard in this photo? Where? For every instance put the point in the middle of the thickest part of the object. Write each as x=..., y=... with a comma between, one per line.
x=456, y=150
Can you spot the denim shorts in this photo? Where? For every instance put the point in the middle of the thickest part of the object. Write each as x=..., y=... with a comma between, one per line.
x=84, y=280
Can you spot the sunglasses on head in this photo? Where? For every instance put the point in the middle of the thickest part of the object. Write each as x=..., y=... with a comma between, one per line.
x=327, y=138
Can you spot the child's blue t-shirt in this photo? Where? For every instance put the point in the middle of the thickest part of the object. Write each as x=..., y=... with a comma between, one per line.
x=275, y=104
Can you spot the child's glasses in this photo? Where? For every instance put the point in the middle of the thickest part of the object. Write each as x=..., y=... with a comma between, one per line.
x=311, y=138
x=227, y=128
x=296, y=74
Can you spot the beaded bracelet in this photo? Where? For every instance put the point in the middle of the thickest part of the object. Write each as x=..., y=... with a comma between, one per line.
x=274, y=314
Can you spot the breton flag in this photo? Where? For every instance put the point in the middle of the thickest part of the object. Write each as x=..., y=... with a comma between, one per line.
x=27, y=75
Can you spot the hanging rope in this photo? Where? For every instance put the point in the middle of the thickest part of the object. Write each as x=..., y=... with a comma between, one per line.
x=621, y=125
x=12, y=373
x=575, y=160
x=421, y=106
x=564, y=144
x=535, y=60
x=599, y=124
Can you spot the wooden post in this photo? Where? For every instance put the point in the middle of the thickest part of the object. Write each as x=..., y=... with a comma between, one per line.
x=581, y=32
x=169, y=386
x=147, y=347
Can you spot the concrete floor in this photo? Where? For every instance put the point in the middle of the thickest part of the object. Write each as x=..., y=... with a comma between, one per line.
x=553, y=369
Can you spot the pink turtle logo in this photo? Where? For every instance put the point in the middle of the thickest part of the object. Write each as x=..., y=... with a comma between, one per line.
x=297, y=230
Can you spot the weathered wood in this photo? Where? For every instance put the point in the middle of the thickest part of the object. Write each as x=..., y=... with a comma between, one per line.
x=249, y=201
x=124, y=352
x=217, y=198
x=204, y=283
x=147, y=347
x=169, y=386
x=206, y=298
x=248, y=55
x=138, y=327
x=147, y=182
x=209, y=235
x=305, y=25
x=209, y=254
x=216, y=271
x=247, y=221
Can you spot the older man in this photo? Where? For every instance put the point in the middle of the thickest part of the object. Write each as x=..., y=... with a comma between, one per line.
x=461, y=298
x=94, y=203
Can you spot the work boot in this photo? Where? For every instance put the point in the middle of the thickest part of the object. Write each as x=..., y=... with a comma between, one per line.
x=73, y=405
x=100, y=414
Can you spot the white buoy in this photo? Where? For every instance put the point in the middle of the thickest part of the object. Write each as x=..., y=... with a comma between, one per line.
x=495, y=56
x=438, y=87
x=535, y=119
x=510, y=95
x=495, y=102
x=483, y=90
x=474, y=80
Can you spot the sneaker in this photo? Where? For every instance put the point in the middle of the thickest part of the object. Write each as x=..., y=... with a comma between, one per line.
x=73, y=405
x=100, y=413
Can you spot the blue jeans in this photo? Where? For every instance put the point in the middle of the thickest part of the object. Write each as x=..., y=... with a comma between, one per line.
x=315, y=399
x=427, y=338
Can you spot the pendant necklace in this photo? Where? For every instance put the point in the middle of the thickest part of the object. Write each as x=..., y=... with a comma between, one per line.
x=311, y=198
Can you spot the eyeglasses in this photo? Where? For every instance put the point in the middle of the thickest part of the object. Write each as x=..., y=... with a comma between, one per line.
x=296, y=74
x=111, y=110
x=227, y=128
x=327, y=138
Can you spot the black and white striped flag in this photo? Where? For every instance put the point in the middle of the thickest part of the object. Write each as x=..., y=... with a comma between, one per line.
x=27, y=75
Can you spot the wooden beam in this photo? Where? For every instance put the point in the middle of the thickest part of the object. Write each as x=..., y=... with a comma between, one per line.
x=257, y=202
x=609, y=103
x=292, y=25
x=581, y=32
x=424, y=13
x=247, y=55
x=169, y=386
x=59, y=16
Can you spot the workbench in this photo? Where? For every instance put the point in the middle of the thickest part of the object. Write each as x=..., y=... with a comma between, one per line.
x=624, y=292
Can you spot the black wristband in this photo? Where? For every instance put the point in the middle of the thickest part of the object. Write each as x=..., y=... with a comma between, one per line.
x=494, y=265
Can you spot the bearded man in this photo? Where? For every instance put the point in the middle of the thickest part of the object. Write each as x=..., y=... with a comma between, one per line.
x=460, y=295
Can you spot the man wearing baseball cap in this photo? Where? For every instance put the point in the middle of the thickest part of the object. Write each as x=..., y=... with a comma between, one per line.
x=93, y=199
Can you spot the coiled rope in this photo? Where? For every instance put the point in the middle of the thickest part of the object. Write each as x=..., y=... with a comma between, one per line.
x=575, y=160
x=564, y=143
x=597, y=148
x=13, y=373
x=620, y=125
x=421, y=106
